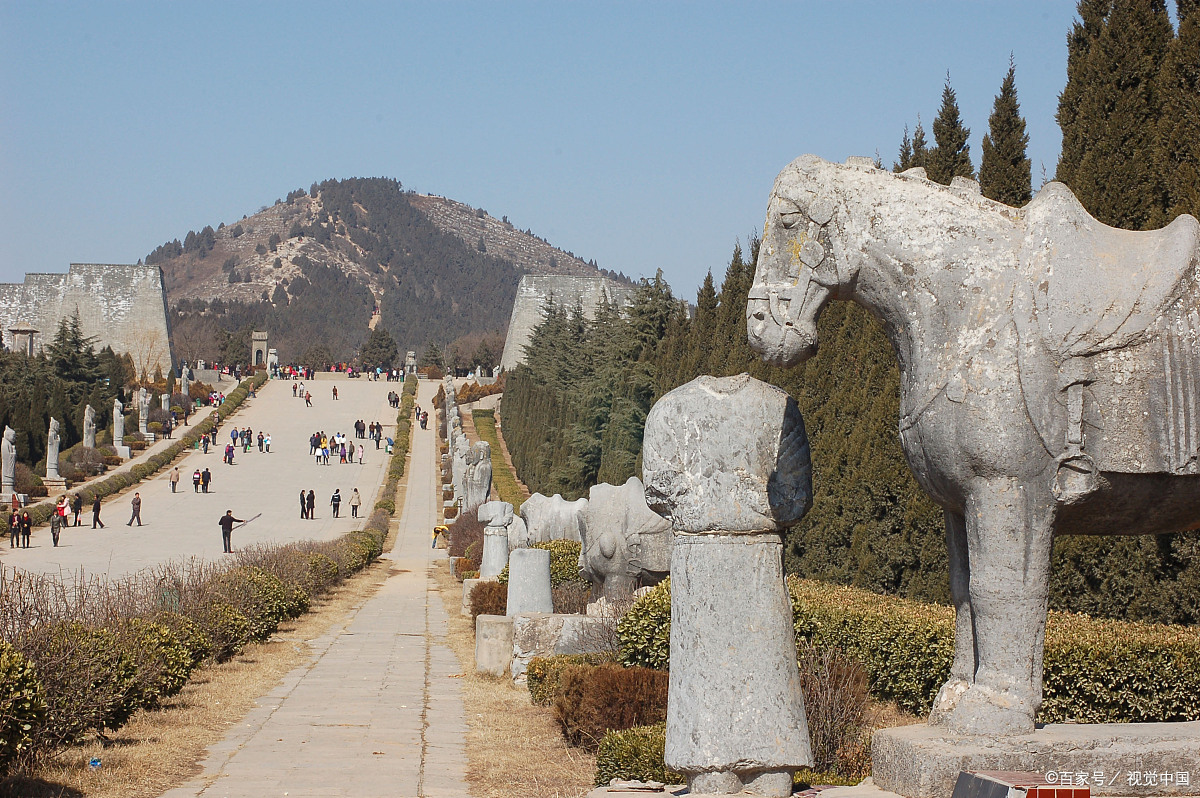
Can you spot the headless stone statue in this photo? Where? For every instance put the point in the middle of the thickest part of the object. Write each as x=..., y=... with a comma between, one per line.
x=727, y=460
x=89, y=427
x=143, y=411
x=8, y=461
x=53, y=442
x=552, y=518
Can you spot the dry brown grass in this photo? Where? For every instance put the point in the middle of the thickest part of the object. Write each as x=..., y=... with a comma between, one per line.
x=514, y=749
x=160, y=749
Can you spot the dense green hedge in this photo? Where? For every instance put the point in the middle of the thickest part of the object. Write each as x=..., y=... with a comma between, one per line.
x=22, y=707
x=542, y=673
x=1094, y=671
x=635, y=753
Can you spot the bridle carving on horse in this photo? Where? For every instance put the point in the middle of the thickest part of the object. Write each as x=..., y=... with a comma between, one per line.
x=1050, y=382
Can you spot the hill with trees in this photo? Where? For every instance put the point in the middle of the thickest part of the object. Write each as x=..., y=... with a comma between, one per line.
x=313, y=268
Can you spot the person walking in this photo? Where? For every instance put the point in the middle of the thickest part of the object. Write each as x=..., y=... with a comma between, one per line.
x=335, y=393
x=307, y=399
x=96, y=522
x=26, y=528
x=303, y=504
x=205, y=479
x=77, y=507
x=56, y=519
x=261, y=438
x=355, y=501
x=196, y=481
x=14, y=529
x=174, y=478
x=267, y=442
x=312, y=504
x=226, y=523
x=336, y=501
x=136, y=506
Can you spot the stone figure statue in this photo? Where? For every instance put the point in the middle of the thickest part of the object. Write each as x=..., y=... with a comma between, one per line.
x=165, y=401
x=552, y=518
x=1049, y=382
x=726, y=459
x=143, y=411
x=185, y=380
x=53, y=441
x=478, y=479
x=89, y=427
x=626, y=545
x=118, y=422
x=8, y=461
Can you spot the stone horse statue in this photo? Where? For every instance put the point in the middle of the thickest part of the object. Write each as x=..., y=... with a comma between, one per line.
x=1050, y=382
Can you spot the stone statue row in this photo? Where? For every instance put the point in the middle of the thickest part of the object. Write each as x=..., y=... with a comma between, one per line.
x=470, y=464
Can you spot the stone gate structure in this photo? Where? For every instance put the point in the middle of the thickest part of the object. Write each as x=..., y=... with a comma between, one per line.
x=121, y=305
x=535, y=292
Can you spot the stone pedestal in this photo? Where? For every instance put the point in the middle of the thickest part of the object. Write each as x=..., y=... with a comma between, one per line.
x=54, y=485
x=495, y=555
x=529, y=581
x=1131, y=759
x=736, y=711
x=493, y=644
x=123, y=451
x=539, y=634
x=468, y=586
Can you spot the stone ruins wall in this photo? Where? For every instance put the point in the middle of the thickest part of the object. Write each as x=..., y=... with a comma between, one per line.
x=122, y=306
x=533, y=295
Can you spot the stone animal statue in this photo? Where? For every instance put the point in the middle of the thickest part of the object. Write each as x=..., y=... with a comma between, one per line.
x=89, y=427
x=553, y=518
x=53, y=444
x=625, y=545
x=1050, y=382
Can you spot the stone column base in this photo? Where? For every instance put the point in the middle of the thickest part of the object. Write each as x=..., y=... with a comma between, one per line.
x=924, y=761
x=54, y=486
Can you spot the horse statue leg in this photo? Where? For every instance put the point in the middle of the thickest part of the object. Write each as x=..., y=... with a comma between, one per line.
x=1010, y=532
x=962, y=670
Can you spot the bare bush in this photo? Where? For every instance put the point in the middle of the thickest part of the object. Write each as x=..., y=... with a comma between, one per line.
x=835, y=702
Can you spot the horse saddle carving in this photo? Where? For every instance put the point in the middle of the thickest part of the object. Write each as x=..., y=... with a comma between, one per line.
x=1109, y=332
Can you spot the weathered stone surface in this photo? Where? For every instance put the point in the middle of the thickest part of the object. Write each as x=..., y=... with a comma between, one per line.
x=118, y=421
x=478, y=477
x=493, y=644
x=496, y=516
x=625, y=544
x=1048, y=387
x=468, y=586
x=727, y=460
x=540, y=634
x=714, y=463
x=1115, y=759
x=89, y=427
x=53, y=442
x=119, y=305
x=8, y=461
x=529, y=582
x=518, y=534
x=553, y=518
x=143, y=412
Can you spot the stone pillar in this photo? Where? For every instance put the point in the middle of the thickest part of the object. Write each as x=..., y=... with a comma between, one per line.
x=529, y=582
x=89, y=427
x=493, y=644
x=496, y=516
x=727, y=460
x=468, y=586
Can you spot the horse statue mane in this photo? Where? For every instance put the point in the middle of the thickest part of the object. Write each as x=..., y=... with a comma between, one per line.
x=1050, y=381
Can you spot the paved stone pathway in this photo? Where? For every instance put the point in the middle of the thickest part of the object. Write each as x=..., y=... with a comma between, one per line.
x=377, y=710
x=184, y=524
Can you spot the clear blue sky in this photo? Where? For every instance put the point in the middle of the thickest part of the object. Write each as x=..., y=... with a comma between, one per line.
x=644, y=135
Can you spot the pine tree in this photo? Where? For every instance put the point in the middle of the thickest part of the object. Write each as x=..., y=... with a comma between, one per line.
x=1075, y=130
x=1179, y=128
x=1004, y=173
x=952, y=156
x=380, y=349
x=1118, y=178
x=905, y=155
x=920, y=148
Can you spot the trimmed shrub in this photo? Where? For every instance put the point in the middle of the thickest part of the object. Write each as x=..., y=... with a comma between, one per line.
x=592, y=700
x=644, y=634
x=227, y=628
x=542, y=673
x=189, y=633
x=258, y=594
x=22, y=708
x=489, y=598
x=162, y=661
x=387, y=505
x=564, y=564
x=635, y=753
x=322, y=573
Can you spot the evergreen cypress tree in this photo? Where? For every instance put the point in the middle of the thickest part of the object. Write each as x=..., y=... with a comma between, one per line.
x=1179, y=129
x=920, y=148
x=952, y=156
x=1075, y=130
x=1004, y=173
x=905, y=155
x=1118, y=114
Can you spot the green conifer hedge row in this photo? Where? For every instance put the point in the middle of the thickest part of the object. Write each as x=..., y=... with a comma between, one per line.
x=1095, y=670
x=502, y=476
